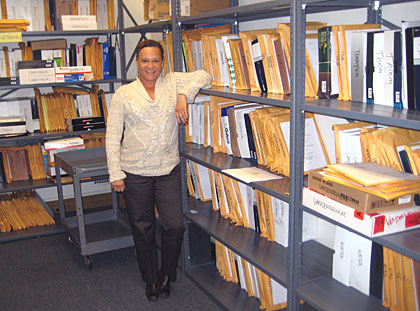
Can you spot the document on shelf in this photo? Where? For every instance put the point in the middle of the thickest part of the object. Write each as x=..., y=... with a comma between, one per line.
x=369, y=174
x=251, y=174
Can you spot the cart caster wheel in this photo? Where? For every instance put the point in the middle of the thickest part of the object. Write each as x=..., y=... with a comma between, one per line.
x=69, y=239
x=88, y=261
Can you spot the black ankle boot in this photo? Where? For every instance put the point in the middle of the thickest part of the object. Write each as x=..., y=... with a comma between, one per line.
x=164, y=286
x=152, y=292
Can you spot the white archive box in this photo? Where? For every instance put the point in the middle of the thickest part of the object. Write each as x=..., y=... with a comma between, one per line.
x=371, y=225
x=61, y=145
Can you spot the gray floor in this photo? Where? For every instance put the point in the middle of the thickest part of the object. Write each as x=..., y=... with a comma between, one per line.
x=48, y=273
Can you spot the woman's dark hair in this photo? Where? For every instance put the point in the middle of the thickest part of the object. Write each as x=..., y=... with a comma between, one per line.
x=148, y=43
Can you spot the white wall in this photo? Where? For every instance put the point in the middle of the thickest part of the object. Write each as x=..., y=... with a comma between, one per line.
x=136, y=9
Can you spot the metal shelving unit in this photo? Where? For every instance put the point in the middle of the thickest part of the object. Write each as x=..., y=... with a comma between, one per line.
x=5, y=95
x=30, y=86
x=305, y=268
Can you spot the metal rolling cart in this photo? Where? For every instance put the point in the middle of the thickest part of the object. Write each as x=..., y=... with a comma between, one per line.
x=97, y=231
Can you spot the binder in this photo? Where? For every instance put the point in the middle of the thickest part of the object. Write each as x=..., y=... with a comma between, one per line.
x=258, y=63
x=397, y=96
x=369, y=68
x=325, y=63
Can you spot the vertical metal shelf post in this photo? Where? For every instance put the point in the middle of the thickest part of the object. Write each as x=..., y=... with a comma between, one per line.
x=177, y=51
x=122, y=40
x=234, y=28
x=297, y=123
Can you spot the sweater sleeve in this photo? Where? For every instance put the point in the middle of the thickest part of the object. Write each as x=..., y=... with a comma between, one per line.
x=190, y=83
x=114, y=131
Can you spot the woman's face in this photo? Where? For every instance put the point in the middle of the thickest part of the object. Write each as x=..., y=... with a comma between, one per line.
x=149, y=64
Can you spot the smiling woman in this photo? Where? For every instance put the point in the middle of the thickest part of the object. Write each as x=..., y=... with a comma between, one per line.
x=143, y=159
x=149, y=63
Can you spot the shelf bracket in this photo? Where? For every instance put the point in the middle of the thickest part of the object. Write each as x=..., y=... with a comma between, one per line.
x=129, y=14
x=7, y=93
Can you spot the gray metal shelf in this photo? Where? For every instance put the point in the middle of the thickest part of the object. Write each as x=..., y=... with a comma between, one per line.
x=29, y=86
x=406, y=242
x=83, y=33
x=36, y=231
x=269, y=257
x=150, y=27
x=326, y=293
x=278, y=188
x=49, y=135
x=226, y=294
x=32, y=232
x=247, y=95
x=26, y=185
x=380, y=114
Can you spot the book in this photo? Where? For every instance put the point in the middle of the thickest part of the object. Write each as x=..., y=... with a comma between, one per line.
x=369, y=68
x=73, y=74
x=37, y=76
x=326, y=56
x=397, y=96
x=32, y=64
x=78, y=22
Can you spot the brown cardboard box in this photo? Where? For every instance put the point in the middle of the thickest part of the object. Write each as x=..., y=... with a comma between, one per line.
x=51, y=44
x=160, y=9
x=359, y=200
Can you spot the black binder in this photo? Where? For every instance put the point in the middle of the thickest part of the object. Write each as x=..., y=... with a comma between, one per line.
x=397, y=70
x=259, y=69
x=369, y=68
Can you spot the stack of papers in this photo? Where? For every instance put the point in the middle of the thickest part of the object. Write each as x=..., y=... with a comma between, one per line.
x=373, y=178
x=13, y=25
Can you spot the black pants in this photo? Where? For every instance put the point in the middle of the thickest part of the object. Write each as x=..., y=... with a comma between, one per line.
x=141, y=194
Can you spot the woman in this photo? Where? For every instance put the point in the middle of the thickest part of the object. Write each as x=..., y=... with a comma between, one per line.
x=143, y=159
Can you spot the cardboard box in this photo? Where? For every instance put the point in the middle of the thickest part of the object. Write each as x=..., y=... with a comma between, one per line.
x=51, y=44
x=362, y=201
x=161, y=9
x=370, y=225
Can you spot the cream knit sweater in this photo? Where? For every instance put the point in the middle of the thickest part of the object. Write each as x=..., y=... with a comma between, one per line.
x=149, y=146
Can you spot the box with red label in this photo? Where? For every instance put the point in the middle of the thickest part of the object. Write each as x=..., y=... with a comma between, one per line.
x=371, y=225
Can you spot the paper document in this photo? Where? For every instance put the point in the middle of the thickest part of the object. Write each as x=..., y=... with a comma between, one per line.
x=370, y=173
x=250, y=174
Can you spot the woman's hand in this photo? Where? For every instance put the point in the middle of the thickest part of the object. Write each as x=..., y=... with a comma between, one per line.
x=182, y=109
x=118, y=185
